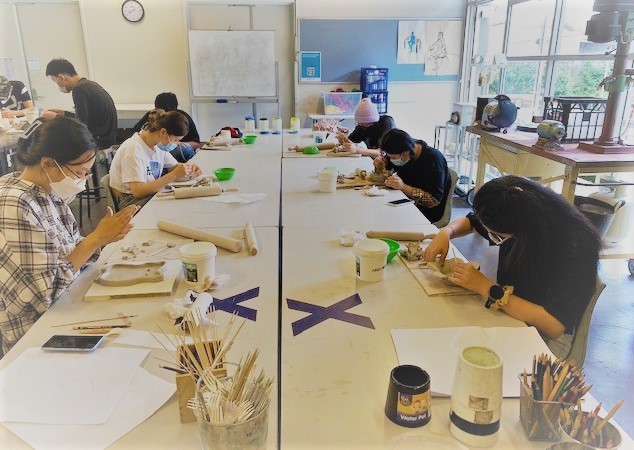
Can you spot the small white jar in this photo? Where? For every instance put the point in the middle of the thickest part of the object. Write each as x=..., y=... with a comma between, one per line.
x=249, y=124
x=264, y=126
x=370, y=259
x=294, y=125
x=277, y=125
x=327, y=179
x=199, y=262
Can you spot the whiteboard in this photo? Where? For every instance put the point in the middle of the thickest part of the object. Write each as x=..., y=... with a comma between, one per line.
x=232, y=63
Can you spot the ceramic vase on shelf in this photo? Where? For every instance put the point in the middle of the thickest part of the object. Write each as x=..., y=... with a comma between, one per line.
x=476, y=399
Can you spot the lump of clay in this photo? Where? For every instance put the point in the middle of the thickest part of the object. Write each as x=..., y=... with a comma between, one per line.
x=123, y=274
x=446, y=270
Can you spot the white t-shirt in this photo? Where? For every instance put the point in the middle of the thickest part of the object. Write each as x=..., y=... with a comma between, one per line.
x=134, y=161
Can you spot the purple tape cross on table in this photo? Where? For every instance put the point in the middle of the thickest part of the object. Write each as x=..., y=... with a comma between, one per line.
x=319, y=314
x=230, y=304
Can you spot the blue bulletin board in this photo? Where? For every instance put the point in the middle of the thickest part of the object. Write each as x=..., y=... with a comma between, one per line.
x=346, y=45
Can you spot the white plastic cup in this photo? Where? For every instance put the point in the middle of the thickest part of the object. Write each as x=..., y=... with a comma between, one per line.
x=327, y=179
x=370, y=258
x=277, y=125
x=264, y=126
x=320, y=136
x=249, y=124
x=199, y=262
x=295, y=125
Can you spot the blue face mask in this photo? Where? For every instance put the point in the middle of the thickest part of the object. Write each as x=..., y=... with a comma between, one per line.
x=398, y=162
x=167, y=148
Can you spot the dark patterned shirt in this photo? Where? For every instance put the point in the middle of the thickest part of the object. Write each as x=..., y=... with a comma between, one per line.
x=37, y=234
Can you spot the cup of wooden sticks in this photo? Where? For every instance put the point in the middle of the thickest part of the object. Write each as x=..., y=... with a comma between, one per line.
x=589, y=429
x=233, y=412
x=552, y=386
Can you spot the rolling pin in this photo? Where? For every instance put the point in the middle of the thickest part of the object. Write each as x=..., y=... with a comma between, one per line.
x=202, y=191
x=399, y=235
x=225, y=242
x=252, y=243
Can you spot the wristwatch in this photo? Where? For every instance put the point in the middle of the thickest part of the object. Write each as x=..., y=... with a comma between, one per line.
x=496, y=293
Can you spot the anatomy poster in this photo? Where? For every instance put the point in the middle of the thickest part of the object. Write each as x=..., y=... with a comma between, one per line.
x=411, y=42
x=442, y=47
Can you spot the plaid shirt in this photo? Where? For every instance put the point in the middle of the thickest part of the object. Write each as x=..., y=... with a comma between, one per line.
x=37, y=233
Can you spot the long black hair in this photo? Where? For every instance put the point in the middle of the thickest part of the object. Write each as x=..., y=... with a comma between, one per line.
x=542, y=223
x=63, y=139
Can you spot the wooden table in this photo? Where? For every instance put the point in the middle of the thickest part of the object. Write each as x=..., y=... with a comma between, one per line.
x=514, y=154
x=304, y=205
x=163, y=430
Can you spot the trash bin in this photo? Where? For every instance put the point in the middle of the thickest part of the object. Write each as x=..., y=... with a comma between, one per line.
x=600, y=213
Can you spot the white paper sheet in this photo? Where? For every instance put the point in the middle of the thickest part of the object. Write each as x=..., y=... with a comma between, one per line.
x=233, y=197
x=436, y=350
x=66, y=387
x=147, y=339
x=144, y=396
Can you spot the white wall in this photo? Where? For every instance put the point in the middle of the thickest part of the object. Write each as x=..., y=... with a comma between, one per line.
x=9, y=44
x=134, y=62
x=416, y=107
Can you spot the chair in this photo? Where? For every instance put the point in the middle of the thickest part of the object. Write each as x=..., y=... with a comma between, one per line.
x=446, y=216
x=111, y=199
x=580, y=340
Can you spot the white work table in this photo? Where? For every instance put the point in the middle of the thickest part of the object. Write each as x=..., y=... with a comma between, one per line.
x=255, y=173
x=163, y=430
x=335, y=373
x=304, y=205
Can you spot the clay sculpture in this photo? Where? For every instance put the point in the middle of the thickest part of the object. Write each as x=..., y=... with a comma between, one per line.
x=122, y=274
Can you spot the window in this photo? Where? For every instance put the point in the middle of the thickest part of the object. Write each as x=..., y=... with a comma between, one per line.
x=547, y=50
x=531, y=27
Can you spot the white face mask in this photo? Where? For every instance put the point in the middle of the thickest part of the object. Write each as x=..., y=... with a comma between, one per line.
x=67, y=189
x=62, y=89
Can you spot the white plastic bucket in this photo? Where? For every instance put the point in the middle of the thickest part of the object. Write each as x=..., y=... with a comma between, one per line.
x=199, y=262
x=277, y=125
x=295, y=125
x=264, y=126
x=370, y=259
x=327, y=179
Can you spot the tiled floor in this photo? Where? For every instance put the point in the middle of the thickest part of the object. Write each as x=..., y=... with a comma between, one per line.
x=609, y=364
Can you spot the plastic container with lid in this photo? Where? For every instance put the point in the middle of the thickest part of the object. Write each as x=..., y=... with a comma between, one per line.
x=249, y=124
x=277, y=125
x=370, y=259
x=264, y=126
x=199, y=262
x=327, y=179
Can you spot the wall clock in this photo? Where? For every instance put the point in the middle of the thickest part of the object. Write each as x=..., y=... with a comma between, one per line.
x=132, y=10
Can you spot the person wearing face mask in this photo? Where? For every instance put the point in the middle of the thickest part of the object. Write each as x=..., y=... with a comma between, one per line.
x=15, y=100
x=420, y=172
x=365, y=138
x=93, y=105
x=41, y=248
x=186, y=148
x=136, y=173
x=547, y=266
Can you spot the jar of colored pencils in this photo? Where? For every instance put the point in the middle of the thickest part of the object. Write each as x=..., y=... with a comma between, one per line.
x=539, y=418
x=589, y=429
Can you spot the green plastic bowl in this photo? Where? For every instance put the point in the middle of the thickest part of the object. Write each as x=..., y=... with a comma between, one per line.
x=394, y=248
x=312, y=150
x=249, y=139
x=224, y=173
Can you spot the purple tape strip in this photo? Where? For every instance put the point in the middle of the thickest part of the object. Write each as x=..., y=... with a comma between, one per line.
x=231, y=304
x=335, y=311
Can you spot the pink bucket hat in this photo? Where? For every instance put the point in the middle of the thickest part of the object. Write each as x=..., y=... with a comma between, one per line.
x=366, y=112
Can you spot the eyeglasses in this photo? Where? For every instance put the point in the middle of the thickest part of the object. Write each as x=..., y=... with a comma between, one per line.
x=496, y=238
x=384, y=154
x=76, y=175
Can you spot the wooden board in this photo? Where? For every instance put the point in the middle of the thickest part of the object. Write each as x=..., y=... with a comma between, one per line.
x=432, y=284
x=160, y=289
